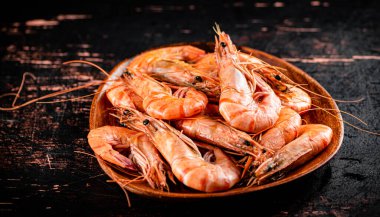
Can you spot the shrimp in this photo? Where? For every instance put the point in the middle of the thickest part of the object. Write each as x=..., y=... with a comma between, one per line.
x=150, y=162
x=167, y=64
x=294, y=98
x=184, y=157
x=215, y=132
x=312, y=139
x=121, y=96
x=284, y=130
x=290, y=95
x=186, y=53
x=246, y=102
x=103, y=142
x=159, y=102
x=107, y=141
x=208, y=65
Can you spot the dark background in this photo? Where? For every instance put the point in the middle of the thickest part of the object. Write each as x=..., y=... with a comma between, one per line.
x=42, y=166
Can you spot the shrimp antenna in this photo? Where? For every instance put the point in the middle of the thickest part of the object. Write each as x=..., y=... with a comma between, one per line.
x=50, y=95
x=88, y=63
x=329, y=97
x=291, y=82
x=217, y=28
x=17, y=95
x=346, y=122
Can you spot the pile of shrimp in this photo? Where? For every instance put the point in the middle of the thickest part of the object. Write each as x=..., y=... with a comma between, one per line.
x=210, y=121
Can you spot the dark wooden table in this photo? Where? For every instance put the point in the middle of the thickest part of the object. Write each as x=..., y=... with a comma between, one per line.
x=42, y=166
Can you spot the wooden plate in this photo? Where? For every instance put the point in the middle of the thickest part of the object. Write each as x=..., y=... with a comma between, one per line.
x=99, y=116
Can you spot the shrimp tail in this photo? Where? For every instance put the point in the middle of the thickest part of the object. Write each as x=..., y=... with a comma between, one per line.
x=104, y=147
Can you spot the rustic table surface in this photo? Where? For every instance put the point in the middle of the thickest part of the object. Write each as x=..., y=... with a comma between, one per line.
x=43, y=166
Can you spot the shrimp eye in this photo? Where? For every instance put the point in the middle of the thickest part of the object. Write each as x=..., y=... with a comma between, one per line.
x=246, y=142
x=260, y=99
x=146, y=122
x=264, y=151
x=277, y=77
x=223, y=44
x=126, y=112
x=198, y=78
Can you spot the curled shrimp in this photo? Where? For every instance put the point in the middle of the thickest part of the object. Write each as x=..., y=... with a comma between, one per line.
x=290, y=95
x=121, y=96
x=294, y=98
x=284, y=131
x=147, y=59
x=168, y=64
x=215, y=132
x=246, y=102
x=184, y=157
x=159, y=102
x=107, y=141
x=150, y=162
x=312, y=139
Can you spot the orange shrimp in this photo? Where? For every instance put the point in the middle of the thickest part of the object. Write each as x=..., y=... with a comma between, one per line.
x=215, y=132
x=312, y=139
x=121, y=96
x=150, y=162
x=107, y=141
x=294, y=98
x=159, y=102
x=186, y=53
x=208, y=65
x=284, y=130
x=247, y=102
x=184, y=157
x=168, y=64
x=290, y=95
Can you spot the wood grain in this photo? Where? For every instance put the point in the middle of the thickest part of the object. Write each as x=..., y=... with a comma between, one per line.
x=335, y=42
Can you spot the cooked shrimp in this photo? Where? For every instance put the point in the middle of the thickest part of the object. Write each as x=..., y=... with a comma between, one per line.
x=186, y=53
x=208, y=65
x=246, y=102
x=150, y=162
x=159, y=102
x=184, y=157
x=215, y=132
x=167, y=64
x=312, y=139
x=121, y=96
x=107, y=141
x=290, y=95
x=294, y=98
x=284, y=131
x=104, y=141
